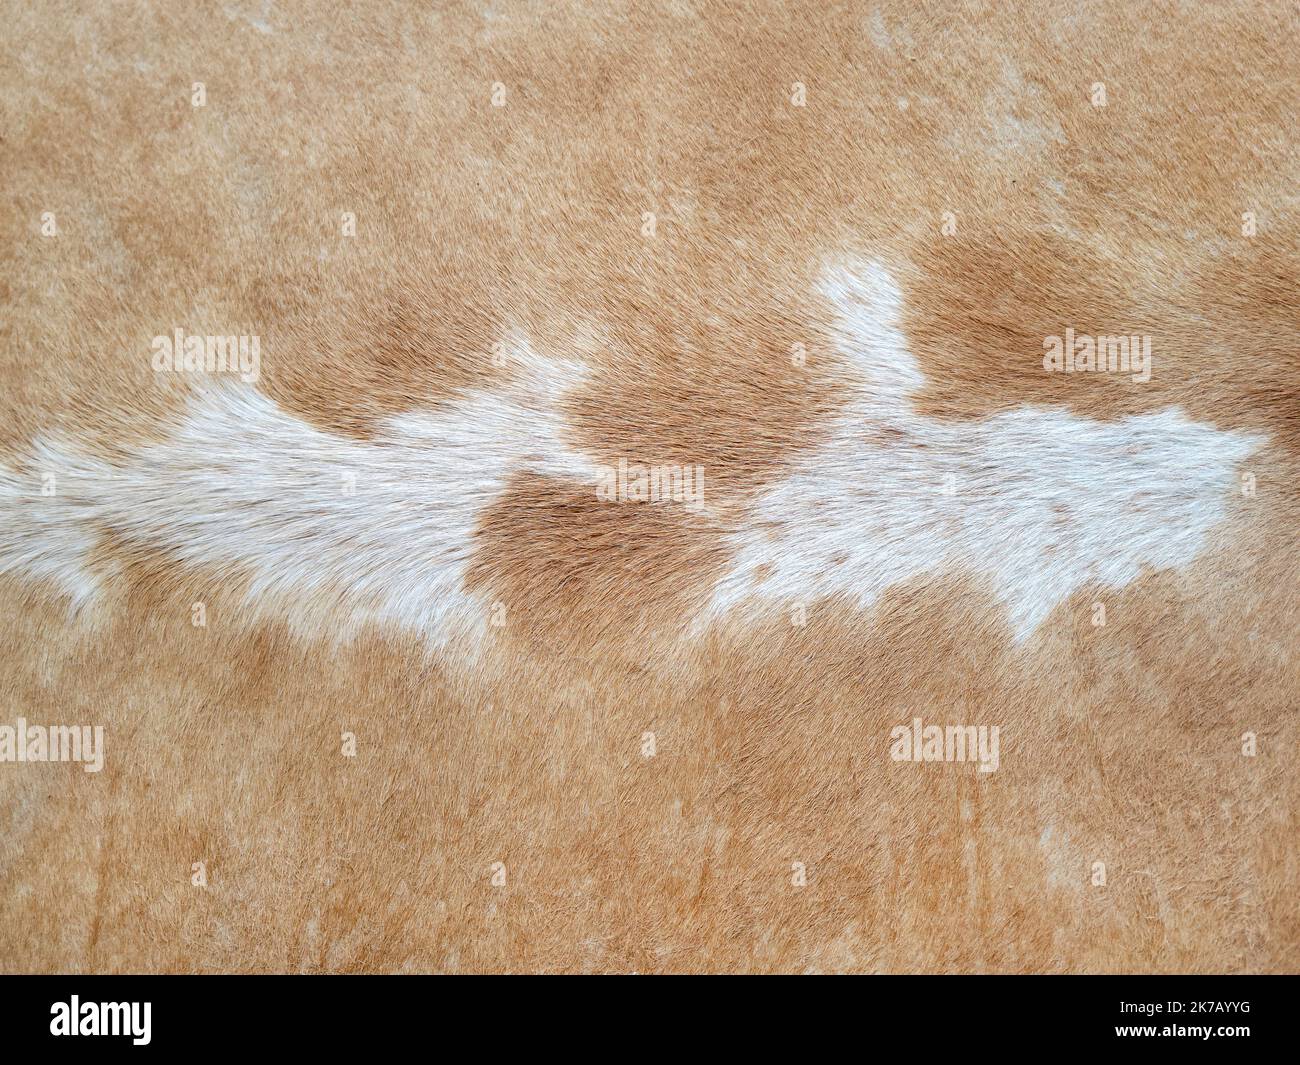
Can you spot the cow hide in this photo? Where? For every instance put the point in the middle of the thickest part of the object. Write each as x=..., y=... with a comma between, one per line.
x=748, y=487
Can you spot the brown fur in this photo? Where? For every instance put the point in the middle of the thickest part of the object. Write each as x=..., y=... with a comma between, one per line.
x=1121, y=744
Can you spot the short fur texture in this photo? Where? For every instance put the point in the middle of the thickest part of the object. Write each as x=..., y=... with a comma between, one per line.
x=390, y=682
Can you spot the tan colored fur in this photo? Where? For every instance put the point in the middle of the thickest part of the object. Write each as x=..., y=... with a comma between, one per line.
x=523, y=744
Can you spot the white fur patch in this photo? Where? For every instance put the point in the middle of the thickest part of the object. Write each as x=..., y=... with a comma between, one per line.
x=384, y=529
x=40, y=538
x=1040, y=500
